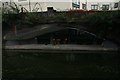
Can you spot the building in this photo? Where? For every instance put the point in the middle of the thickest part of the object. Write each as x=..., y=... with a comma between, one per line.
x=102, y=4
x=31, y=5
x=40, y=5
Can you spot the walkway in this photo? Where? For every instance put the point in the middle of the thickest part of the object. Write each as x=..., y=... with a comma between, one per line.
x=60, y=48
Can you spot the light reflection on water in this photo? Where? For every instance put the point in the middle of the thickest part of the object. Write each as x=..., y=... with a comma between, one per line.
x=60, y=65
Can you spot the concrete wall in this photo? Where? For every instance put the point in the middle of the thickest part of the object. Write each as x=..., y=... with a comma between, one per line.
x=59, y=6
x=21, y=42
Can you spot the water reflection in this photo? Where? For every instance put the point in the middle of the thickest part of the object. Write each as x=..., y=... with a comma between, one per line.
x=60, y=65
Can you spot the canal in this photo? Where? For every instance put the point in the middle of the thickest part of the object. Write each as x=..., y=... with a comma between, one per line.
x=24, y=65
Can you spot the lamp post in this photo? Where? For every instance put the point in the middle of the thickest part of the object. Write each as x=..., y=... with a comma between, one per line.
x=29, y=6
x=86, y=4
x=10, y=2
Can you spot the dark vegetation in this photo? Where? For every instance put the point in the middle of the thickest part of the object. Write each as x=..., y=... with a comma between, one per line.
x=103, y=23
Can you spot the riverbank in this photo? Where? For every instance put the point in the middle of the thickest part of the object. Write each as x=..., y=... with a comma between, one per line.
x=59, y=48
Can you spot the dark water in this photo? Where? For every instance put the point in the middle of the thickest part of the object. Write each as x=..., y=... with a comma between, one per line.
x=60, y=65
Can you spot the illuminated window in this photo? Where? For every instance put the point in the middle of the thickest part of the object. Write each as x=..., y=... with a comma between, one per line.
x=84, y=6
x=105, y=7
x=94, y=7
x=116, y=5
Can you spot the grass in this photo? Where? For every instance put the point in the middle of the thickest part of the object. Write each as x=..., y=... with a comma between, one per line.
x=48, y=65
